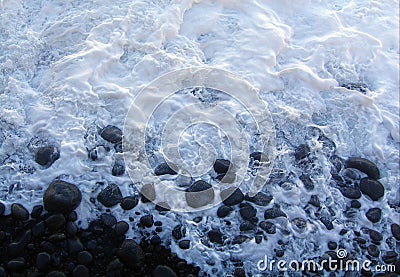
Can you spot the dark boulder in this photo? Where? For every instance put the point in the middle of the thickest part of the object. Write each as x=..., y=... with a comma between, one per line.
x=365, y=166
x=61, y=197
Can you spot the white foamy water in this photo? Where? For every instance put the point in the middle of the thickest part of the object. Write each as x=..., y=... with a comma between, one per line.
x=68, y=69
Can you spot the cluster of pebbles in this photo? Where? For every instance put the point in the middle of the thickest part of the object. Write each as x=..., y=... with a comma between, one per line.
x=48, y=242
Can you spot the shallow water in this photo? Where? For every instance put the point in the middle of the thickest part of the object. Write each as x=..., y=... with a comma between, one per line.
x=69, y=69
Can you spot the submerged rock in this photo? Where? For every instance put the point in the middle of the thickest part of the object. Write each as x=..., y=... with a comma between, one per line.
x=221, y=166
x=365, y=166
x=111, y=134
x=164, y=169
x=260, y=199
x=274, y=213
x=61, y=197
x=47, y=155
x=199, y=194
x=302, y=152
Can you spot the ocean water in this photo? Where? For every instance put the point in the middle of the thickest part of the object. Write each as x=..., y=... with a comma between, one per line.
x=326, y=68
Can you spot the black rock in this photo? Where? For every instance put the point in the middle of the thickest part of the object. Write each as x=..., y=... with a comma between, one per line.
x=2, y=208
x=239, y=272
x=373, y=250
x=184, y=244
x=16, y=248
x=247, y=212
x=37, y=211
x=118, y=168
x=56, y=273
x=164, y=169
x=351, y=193
x=332, y=245
x=38, y=229
x=268, y=227
x=307, y=182
x=81, y=271
x=260, y=198
x=118, y=147
x=239, y=239
x=327, y=222
x=375, y=235
x=224, y=211
x=19, y=212
x=43, y=260
x=146, y=221
x=16, y=265
x=163, y=271
x=315, y=201
x=365, y=166
x=232, y=196
x=258, y=156
x=374, y=189
x=247, y=226
x=215, y=236
x=47, y=155
x=258, y=239
x=280, y=253
x=61, y=197
x=395, y=228
x=72, y=216
x=155, y=240
x=389, y=257
x=108, y=219
x=71, y=229
x=178, y=232
x=111, y=134
x=301, y=152
x=355, y=204
x=129, y=202
x=221, y=166
x=121, y=228
x=199, y=194
x=74, y=245
x=374, y=215
x=55, y=222
x=92, y=154
x=148, y=193
x=130, y=254
x=110, y=196
x=162, y=207
x=274, y=213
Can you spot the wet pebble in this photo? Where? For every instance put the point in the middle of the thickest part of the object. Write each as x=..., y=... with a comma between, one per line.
x=372, y=188
x=199, y=194
x=375, y=235
x=130, y=254
x=274, y=213
x=178, y=232
x=61, y=197
x=81, y=271
x=184, y=244
x=365, y=166
x=19, y=212
x=374, y=215
x=373, y=250
x=389, y=257
x=43, y=260
x=232, y=196
x=111, y=134
x=163, y=271
x=110, y=196
x=2, y=208
x=121, y=228
x=247, y=227
x=395, y=229
x=260, y=199
x=302, y=152
x=108, y=219
x=268, y=227
x=307, y=182
x=55, y=221
x=148, y=193
x=164, y=169
x=224, y=211
x=221, y=166
x=85, y=257
x=47, y=155
x=351, y=193
x=355, y=204
x=215, y=236
x=118, y=168
x=146, y=221
x=247, y=211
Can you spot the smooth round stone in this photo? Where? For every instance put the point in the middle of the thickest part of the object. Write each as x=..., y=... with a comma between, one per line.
x=162, y=207
x=148, y=193
x=374, y=215
x=355, y=204
x=85, y=257
x=247, y=226
x=351, y=193
x=365, y=166
x=163, y=271
x=332, y=245
x=302, y=152
x=47, y=155
x=71, y=229
x=164, y=169
x=130, y=254
x=16, y=265
x=110, y=196
x=374, y=189
x=232, y=196
x=375, y=235
x=373, y=250
x=61, y=197
x=224, y=211
x=81, y=271
x=111, y=134
x=184, y=244
x=147, y=221
x=260, y=199
x=395, y=228
x=121, y=228
x=389, y=257
x=42, y=260
x=129, y=202
x=155, y=240
x=247, y=212
x=178, y=232
x=239, y=239
x=273, y=213
x=19, y=212
x=108, y=219
x=239, y=272
x=221, y=166
x=199, y=194
x=55, y=222
x=37, y=211
x=215, y=236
